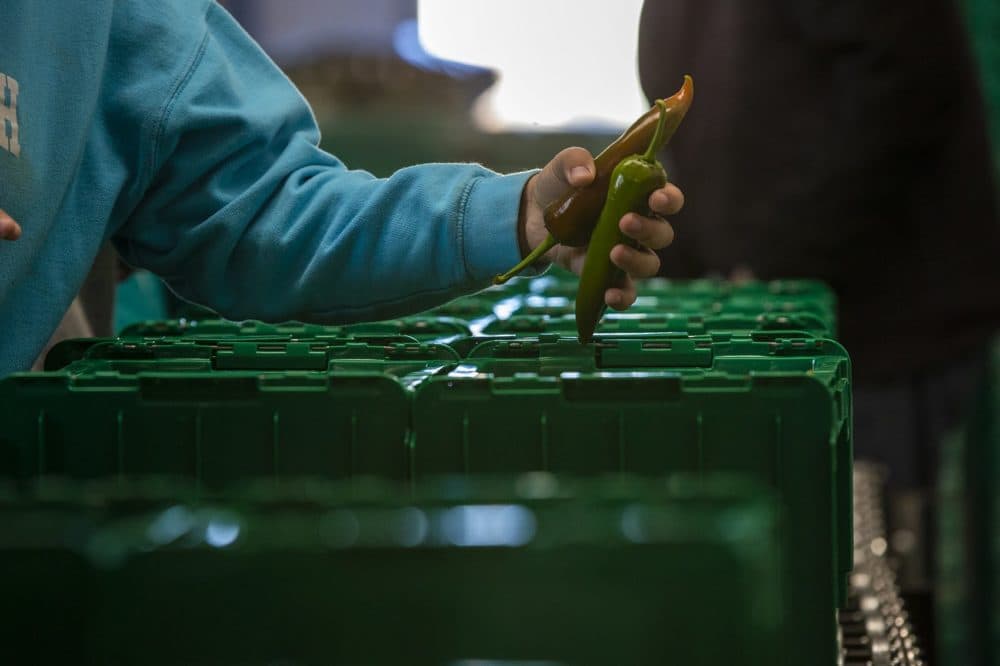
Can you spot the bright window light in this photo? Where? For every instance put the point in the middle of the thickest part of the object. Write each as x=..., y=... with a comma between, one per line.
x=563, y=64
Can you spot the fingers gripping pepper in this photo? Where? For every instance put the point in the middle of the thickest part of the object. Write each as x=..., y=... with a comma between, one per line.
x=570, y=219
x=632, y=181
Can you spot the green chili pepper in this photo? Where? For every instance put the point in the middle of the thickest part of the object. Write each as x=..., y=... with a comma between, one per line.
x=570, y=219
x=632, y=181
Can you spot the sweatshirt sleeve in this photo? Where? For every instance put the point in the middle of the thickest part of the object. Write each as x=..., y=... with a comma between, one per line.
x=245, y=214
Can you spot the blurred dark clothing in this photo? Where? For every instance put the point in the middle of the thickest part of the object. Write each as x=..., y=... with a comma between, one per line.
x=902, y=425
x=844, y=141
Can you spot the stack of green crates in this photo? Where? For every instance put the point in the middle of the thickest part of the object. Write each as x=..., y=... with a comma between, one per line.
x=699, y=379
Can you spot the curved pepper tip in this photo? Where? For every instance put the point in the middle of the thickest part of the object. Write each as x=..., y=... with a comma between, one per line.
x=680, y=101
x=684, y=96
x=688, y=86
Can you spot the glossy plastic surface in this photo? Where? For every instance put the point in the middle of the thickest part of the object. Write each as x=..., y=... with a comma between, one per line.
x=532, y=570
x=787, y=428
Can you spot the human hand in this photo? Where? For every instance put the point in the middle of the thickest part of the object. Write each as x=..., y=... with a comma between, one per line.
x=9, y=229
x=574, y=167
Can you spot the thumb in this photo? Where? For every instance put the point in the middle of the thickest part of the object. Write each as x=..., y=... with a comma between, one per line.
x=9, y=229
x=571, y=168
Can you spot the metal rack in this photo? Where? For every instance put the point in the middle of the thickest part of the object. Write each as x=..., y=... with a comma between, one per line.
x=875, y=628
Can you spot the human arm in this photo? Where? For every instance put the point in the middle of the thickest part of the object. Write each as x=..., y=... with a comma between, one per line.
x=244, y=213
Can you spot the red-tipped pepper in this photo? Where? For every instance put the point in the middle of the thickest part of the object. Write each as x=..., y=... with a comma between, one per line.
x=570, y=220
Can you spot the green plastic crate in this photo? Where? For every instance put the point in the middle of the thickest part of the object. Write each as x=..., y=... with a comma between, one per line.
x=560, y=282
x=532, y=570
x=569, y=345
x=663, y=322
x=722, y=353
x=557, y=306
x=733, y=356
x=214, y=427
x=736, y=356
x=181, y=354
x=69, y=351
x=546, y=356
x=419, y=328
x=713, y=296
x=788, y=429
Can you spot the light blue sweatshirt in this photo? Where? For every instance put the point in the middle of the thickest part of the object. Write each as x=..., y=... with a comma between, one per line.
x=160, y=125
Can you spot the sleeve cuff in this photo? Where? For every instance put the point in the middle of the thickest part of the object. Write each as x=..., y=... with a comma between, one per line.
x=489, y=225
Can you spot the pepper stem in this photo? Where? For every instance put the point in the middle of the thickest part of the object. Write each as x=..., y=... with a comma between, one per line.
x=654, y=144
x=532, y=257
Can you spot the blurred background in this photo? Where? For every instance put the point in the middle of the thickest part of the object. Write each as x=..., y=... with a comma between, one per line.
x=397, y=82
